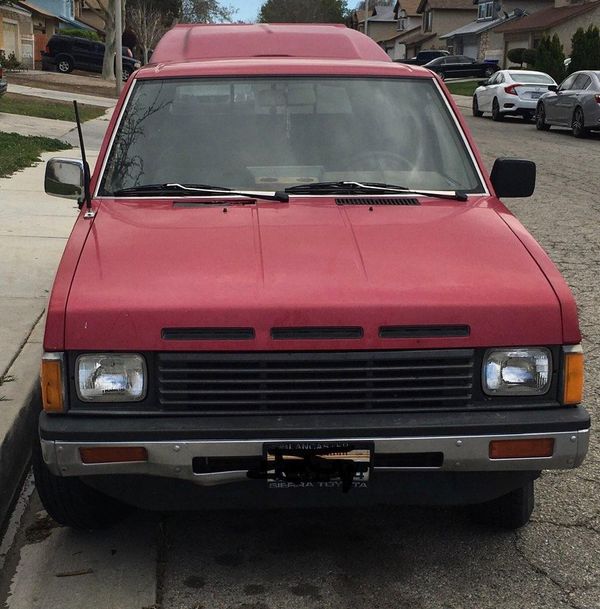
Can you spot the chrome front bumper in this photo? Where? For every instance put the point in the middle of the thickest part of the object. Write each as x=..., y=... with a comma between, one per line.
x=172, y=459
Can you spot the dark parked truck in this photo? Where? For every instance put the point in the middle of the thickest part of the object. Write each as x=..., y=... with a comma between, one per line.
x=293, y=281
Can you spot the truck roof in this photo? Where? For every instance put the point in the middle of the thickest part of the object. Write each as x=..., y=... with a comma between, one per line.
x=191, y=42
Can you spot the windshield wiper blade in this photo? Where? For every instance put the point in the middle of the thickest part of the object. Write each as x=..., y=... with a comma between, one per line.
x=198, y=189
x=373, y=187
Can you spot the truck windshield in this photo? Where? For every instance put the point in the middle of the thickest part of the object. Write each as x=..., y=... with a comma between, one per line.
x=271, y=133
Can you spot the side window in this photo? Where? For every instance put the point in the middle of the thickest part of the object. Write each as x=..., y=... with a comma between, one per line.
x=452, y=59
x=567, y=84
x=581, y=82
x=499, y=78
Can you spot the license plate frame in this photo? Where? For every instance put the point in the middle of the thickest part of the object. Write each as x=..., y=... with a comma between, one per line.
x=329, y=453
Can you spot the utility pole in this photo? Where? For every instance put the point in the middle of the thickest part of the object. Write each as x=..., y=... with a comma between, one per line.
x=119, y=46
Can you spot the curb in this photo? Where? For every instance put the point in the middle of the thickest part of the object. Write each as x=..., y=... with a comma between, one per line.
x=18, y=418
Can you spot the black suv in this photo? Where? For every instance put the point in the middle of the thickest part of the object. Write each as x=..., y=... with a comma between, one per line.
x=68, y=53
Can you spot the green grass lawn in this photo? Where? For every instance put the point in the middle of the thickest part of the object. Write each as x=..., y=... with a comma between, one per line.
x=463, y=88
x=18, y=151
x=46, y=108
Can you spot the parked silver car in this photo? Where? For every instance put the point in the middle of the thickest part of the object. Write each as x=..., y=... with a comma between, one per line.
x=574, y=104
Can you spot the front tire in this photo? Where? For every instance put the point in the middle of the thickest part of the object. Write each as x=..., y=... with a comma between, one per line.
x=540, y=119
x=71, y=502
x=476, y=111
x=578, y=123
x=510, y=511
x=496, y=114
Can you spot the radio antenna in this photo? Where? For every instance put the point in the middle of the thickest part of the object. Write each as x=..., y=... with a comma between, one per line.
x=87, y=197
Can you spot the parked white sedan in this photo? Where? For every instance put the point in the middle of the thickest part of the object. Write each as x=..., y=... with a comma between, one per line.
x=511, y=92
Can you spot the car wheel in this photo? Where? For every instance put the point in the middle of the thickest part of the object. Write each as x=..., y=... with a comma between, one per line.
x=126, y=74
x=476, y=110
x=496, y=114
x=540, y=119
x=510, y=511
x=71, y=502
x=578, y=122
x=64, y=64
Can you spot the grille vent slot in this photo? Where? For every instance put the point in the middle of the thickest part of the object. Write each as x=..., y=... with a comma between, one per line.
x=423, y=331
x=315, y=381
x=377, y=201
x=315, y=333
x=208, y=333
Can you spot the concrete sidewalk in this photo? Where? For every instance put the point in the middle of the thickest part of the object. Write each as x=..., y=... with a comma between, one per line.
x=33, y=232
x=68, y=96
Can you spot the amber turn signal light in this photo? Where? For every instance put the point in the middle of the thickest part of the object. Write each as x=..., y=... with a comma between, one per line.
x=573, y=377
x=113, y=454
x=521, y=449
x=51, y=380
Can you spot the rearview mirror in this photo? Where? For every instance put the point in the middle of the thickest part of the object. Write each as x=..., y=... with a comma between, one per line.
x=553, y=88
x=65, y=178
x=513, y=177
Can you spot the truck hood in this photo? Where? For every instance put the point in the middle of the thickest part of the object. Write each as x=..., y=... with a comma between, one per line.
x=147, y=266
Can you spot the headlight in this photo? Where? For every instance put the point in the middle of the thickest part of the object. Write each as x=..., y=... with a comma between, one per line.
x=517, y=371
x=106, y=377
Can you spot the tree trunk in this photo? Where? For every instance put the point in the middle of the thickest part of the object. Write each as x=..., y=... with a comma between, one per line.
x=108, y=66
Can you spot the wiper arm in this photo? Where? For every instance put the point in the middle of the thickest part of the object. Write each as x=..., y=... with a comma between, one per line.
x=374, y=187
x=198, y=189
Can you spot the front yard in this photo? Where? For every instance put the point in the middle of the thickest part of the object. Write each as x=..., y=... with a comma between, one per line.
x=463, y=88
x=18, y=151
x=26, y=105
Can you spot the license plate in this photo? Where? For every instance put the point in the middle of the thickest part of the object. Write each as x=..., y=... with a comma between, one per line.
x=535, y=95
x=341, y=465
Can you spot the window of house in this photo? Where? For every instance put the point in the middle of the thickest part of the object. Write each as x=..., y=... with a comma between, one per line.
x=486, y=10
x=427, y=21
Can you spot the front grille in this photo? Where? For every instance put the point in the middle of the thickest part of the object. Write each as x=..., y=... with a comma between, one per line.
x=344, y=381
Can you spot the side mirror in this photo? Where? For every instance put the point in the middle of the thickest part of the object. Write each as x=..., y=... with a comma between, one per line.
x=513, y=177
x=553, y=88
x=65, y=178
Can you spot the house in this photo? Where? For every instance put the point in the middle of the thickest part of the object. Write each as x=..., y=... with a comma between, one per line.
x=564, y=17
x=408, y=21
x=439, y=17
x=86, y=11
x=48, y=18
x=16, y=33
x=481, y=39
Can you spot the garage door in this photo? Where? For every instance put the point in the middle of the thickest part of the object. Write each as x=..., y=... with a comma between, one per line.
x=10, y=38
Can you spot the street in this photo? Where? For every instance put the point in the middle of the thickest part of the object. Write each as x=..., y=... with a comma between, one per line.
x=381, y=557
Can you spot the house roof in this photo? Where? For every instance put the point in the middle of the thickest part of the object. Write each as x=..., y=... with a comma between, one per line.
x=478, y=27
x=547, y=18
x=37, y=9
x=418, y=37
x=457, y=5
x=47, y=13
x=383, y=13
x=407, y=33
x=410, y=6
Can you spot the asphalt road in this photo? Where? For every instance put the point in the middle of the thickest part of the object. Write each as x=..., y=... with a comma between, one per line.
x=408, y=558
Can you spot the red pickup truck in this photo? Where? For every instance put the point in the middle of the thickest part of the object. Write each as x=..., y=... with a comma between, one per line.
x=292, y=281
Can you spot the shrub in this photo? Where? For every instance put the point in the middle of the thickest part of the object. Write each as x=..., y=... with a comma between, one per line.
x=516, y=56
x=585, y=53
x=72, y=31
x=530, y=56
x=10, y=63
x=550, y=57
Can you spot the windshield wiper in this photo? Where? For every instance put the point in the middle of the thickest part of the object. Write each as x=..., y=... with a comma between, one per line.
x=197, y=189
x=371, y=187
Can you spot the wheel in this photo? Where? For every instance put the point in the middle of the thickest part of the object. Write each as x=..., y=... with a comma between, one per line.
x=64, y=64
x=496, y=114
x=510, y=511
x=577, y=124
x=71, y=502
x=126, y=74
x=371, y=160
x=476, y=110
x=540, y=119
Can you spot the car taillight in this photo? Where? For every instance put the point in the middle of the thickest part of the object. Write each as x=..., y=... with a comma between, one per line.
x=511, y=89
x=48, y=49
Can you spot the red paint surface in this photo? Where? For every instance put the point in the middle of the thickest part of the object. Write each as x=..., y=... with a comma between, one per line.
x=147, y=265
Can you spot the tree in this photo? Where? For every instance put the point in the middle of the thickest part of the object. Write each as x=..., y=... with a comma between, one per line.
x=516, y=56
x=205, y=11
x=550, y=57
x=585, y=49
x=148, y=22
x=530, y=56
x=105, y=9
x=303, y=11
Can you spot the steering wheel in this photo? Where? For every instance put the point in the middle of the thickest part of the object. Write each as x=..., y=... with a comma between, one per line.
x=374, y=158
